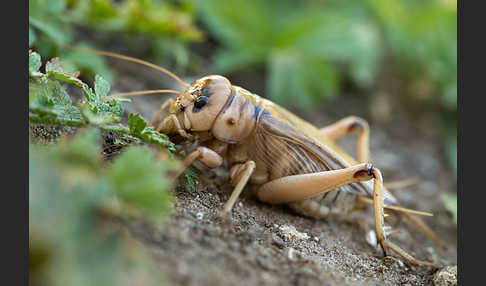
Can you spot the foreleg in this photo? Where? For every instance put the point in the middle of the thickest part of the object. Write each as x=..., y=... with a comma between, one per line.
x=207, y=156
x=170, y=125
x=164, y=105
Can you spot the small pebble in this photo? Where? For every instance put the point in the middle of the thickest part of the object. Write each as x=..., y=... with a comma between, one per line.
x=446, y=276
x=292, y=254
x=276, y=240
x=371, y=238
x=263, y=263
x=234, y=245
x=290, y=233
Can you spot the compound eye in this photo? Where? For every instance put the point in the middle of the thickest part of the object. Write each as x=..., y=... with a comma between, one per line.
x=200, y=103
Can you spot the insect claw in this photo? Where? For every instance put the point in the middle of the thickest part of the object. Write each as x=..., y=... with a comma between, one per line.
x=382, y=244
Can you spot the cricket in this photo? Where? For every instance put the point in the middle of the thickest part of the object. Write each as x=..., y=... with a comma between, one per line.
x=281, y=157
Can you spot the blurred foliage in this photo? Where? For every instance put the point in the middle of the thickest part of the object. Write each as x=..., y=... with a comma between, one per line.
x=450, y=201
x=309, y=47
x=167, y=24
x=49, y=103
x=73, y=189
x=73, y=197
x=422, y=36
x=312, y=49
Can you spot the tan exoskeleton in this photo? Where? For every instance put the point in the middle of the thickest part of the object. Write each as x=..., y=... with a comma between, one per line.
x=287, y=159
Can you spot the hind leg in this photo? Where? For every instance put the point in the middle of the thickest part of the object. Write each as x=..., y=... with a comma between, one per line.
x=283, y=190
x=356, y=125
x=351, y=125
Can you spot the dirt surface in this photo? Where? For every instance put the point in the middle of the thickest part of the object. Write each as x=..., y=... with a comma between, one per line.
x=259, y=249
x=195, y=250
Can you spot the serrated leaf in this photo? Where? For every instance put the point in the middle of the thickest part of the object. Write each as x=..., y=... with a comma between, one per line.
x=49, y=89
x=54, y=65
x=136, y=123
x=102, y=87
x=89, y=93
x=96, y=117
x=55, y=68
x=34, y=61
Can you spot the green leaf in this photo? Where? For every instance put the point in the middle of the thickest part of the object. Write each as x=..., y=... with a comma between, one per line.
x=46, y=90
x=102, y=87
x=68, y=78
x=154, y=137
x=69, y=189
x=55, y=68
x=83, y=149
x=189, y=177
x=137, y=177
x=34, y=62
x=136, y=123
x=89, y=94
x=98, y=117
x=54, y=65
x=138, y=127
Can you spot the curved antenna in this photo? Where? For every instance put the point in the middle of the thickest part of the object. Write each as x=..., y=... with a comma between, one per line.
x=131, y=59
x=134, y=93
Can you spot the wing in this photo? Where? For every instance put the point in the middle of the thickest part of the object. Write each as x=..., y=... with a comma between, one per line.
x=293, y=146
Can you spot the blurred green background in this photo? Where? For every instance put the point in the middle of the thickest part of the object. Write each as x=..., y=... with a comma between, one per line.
x=304, y=53
x=309, y=50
